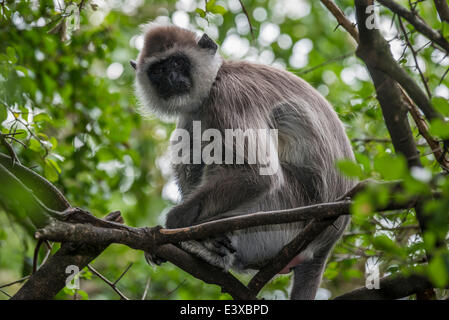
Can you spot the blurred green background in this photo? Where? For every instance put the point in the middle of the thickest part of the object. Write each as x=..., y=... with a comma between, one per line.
x=67, y=93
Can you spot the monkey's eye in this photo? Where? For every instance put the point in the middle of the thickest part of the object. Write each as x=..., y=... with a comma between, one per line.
x=157, y=70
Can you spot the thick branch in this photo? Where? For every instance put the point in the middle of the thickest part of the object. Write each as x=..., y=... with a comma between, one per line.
x=392, y=287
x=149, y=238
x=443, y=9
x=50, y=278
x=204, y=271
x=208, y=229
x=146, y=239
x=372, y=50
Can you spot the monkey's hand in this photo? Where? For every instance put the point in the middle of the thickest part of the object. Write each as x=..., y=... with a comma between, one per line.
x=183, y=215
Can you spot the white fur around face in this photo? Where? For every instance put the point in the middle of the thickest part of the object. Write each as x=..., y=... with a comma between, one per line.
x=204, y=68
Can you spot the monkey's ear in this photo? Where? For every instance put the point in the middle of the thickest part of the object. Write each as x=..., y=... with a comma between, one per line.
x=207, y=43
x=133, y=64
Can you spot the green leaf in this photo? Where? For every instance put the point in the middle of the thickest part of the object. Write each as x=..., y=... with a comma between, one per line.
x=386, y=244
x=50, y=171
x=42, y=117
x=353, y=273
x=218, y=10
x=3, y=114
x=350, y=168
x=34, y=145
x=55, y=165
x=3, y=57
x=83, y=294
x=3, y=235
x=439, y=128
x=210, y=4
x=364, y=161
x=438, y=271
x=362, y=206
x=441, y=104
x=201, y=12
x=391, y=167
x=54, y=143
x=11, y=53
x=21, y=69
x=20, y=133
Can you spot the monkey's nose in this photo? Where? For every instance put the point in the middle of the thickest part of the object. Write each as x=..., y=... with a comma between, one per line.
x=172, y=77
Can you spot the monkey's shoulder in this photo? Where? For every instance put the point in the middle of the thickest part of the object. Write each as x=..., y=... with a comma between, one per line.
x=244, y=84
x=250, y=73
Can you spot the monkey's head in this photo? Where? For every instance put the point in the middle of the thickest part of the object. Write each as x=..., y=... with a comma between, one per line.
x=175, y=70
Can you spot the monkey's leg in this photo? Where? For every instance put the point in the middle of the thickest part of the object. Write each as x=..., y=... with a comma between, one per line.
x=224, y=187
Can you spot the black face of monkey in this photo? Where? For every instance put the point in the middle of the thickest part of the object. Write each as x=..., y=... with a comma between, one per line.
x=171, y=76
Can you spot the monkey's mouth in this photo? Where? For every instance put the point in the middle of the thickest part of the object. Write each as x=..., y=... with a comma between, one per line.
x=173, y=86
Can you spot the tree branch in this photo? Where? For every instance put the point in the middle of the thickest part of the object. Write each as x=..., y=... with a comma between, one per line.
x=50, y=278
x=443, y=9
x=392, y=287
x=419, y=24
x=341, y=18
x=156, y=240
x=374, y=51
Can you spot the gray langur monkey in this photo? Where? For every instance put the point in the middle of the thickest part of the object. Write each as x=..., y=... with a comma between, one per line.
x=181, y=75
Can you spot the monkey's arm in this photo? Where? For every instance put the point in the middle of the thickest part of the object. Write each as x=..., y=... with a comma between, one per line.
x=223, y=188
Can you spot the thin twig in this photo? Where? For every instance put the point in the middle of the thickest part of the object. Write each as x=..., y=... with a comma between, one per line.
x=341, y=18
x=5, y=293
x=112, y=285
x=123, y=273
x=147, y=286
x=328, y=61
x=409, y=44
x=420, y=25
x=248, y=18
x=14, y=282
x=177, y=287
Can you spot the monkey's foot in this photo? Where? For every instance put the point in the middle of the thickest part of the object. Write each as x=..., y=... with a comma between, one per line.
x=153, y=259
x=222, y=246
x=218, y=252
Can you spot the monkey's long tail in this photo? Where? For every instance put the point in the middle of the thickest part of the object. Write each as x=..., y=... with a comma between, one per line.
x=307, y=278
x=308, y=274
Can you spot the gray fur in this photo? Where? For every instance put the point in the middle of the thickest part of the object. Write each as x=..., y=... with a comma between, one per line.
x=311, y=139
